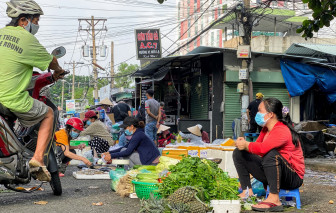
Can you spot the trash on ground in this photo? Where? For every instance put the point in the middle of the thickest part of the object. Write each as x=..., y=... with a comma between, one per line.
x=41, y=202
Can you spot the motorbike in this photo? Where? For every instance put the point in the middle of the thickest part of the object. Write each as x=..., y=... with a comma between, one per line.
x=18, y=143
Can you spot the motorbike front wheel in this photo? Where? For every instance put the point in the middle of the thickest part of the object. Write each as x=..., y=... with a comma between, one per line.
x=55, y=183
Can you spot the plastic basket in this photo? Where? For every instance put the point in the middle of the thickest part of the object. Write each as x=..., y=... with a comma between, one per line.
x=143, y=190
x=76, y=143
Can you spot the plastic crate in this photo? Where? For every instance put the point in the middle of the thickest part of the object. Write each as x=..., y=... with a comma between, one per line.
x=251, y=137
x=143, y=190
x=76, y=143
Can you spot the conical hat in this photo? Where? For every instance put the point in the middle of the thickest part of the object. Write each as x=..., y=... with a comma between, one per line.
x=163, y=128
x=106, y=101
x=195, y=130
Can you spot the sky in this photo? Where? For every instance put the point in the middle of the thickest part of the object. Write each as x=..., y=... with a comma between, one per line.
x=59, y=27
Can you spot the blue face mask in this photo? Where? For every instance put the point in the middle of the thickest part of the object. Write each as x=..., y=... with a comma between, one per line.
x=88, y=123
x=74, y=134
x=260, y=119
x=128, y=133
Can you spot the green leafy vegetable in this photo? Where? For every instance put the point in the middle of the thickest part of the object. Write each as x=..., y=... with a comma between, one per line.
x=213, y=183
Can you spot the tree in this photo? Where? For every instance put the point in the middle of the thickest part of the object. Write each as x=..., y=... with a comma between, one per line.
x=323, y=12
x=124, y=71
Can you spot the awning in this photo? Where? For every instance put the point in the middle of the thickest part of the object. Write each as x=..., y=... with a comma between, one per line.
x=311, y=50
x=157, y=70
x=301, y=77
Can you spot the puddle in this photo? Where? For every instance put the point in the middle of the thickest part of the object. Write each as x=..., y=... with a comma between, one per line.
x=322, y=178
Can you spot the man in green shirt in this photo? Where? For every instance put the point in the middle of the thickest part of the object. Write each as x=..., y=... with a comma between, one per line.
x=20, y=52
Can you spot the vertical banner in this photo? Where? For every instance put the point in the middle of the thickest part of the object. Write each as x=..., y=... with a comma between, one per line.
x=70, y=106
x=148, y=43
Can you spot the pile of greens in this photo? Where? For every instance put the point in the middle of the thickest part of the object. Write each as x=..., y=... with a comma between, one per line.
x=212, y=182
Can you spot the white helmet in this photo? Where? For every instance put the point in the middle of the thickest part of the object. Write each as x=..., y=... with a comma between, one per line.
x=18, y=7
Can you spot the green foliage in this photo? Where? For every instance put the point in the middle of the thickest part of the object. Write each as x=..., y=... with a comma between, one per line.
x=204, y=175
x=324, y=11
x=125, y=70
x=81, y=88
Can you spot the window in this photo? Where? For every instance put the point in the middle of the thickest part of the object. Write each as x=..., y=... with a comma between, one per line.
x=212, y=38
x=202, y=23
x=219, y=11
x=218, y=41
x=189, y=33
x=195, y=43
x=195, y=6
x=196, y=28
x=179, y=10
x=201, y=41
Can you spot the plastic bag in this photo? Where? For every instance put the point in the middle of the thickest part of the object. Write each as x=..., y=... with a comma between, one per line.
x=115, y=178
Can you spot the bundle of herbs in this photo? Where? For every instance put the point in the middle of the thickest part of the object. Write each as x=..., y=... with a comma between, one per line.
x=211, y=182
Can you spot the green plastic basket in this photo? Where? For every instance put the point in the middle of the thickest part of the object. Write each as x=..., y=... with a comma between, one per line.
x=143, y=190
x=76, y=143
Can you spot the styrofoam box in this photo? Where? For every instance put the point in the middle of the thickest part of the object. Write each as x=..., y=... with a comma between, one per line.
x=225, y=206
x=226, y=165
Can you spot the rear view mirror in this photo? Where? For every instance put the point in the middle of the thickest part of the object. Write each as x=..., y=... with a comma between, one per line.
x=59, y=52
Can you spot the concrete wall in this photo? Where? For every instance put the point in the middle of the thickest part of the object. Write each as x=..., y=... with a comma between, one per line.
x=276, y=44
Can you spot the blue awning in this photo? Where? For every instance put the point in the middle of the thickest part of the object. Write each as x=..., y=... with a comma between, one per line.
x=301, y=77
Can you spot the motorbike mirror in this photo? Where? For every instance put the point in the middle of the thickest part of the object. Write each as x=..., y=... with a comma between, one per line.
x=59, y=52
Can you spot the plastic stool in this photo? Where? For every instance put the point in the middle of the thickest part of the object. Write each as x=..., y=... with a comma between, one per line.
x=289, y=194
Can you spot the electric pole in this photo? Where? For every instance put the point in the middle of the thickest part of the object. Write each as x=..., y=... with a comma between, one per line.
x=92, y=23
x=62, y=95
x=73, y=80
x=112, y=65
x=246, y=21
x=73, y=77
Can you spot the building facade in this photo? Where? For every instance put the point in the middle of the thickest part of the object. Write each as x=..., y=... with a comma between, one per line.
x=192, y=22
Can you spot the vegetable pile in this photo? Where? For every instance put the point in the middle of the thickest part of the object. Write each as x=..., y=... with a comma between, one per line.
x=211, y=181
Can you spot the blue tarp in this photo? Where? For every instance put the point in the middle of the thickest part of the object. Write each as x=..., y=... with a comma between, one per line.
x=301, y=77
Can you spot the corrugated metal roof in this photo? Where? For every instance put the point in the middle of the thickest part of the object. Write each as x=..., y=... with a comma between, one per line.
x=204, y=51
x=311, y=49
x=153, y=67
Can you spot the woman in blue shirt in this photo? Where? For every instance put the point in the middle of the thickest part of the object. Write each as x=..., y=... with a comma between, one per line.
x=141, y=150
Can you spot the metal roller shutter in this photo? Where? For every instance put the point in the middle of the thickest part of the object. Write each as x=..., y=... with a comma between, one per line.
x=199, y=105
x=232, y=108
x=273, y=90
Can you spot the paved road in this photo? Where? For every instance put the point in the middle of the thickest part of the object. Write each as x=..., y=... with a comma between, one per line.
x=319, y=188
x=76, y=197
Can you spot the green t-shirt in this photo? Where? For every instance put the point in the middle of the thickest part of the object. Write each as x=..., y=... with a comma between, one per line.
x=20, y=51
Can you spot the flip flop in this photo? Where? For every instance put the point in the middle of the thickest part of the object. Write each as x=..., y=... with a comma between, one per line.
x=39, y=172
x=272, y=207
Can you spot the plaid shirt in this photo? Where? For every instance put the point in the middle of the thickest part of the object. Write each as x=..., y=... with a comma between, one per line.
x=168, y=138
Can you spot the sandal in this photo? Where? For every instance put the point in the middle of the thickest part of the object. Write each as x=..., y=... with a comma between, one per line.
x=272, y=208
x=39, y=172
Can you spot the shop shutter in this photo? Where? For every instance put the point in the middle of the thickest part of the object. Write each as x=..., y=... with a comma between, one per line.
x=273, y=90
x=232, y=108
x=199, y=105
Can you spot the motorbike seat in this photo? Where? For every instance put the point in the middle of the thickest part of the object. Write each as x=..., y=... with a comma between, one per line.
x=4, y=111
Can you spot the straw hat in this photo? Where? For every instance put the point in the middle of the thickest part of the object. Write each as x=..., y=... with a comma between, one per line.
x=196, y=130
x=163, y=128
x=106, y=101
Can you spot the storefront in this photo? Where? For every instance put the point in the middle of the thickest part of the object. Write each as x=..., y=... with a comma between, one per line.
x=185, y=84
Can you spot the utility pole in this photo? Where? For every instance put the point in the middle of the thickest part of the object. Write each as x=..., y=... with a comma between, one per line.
x=92, y=23
x=246, y=21
x=62, y=95
x=73, y=80
x=112, y=65
x=73, y=77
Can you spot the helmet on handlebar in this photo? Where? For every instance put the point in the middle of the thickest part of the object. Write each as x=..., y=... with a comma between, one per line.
x=76, y=123
x=18, y=7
